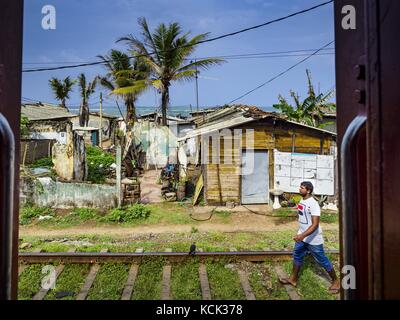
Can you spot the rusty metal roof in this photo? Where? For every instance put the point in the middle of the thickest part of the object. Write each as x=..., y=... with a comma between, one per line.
x=234, y=115
x=159, y=115
x=232, y=111
x=41, y=111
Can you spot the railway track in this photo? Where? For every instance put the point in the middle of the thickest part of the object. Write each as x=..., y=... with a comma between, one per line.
x=95, y=261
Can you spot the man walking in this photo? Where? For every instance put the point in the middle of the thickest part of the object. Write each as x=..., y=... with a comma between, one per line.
x=309, y=238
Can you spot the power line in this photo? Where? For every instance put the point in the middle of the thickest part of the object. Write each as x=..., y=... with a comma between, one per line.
x=266, y=23
x=278, y=56
x=188, y=45
x=261, y=54
x=207, y=57
x=281, y=73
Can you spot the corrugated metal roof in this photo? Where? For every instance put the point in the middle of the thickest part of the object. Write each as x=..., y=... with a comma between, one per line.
x=35, y=112
x=232, y=111
x=159, y=115
x=231, y=116
x=311, y=127
x=216, y=126
x=104, y=115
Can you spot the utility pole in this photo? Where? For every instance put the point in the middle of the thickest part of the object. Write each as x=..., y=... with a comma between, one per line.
x=197, y=88
x=101, y=121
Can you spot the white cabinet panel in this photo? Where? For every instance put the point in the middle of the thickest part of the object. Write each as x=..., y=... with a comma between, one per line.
x=290, y=169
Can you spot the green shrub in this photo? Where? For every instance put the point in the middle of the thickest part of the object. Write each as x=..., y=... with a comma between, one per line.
x=24, y=127
x=28, y=213
x=46, y=162
x=137, y=211
x=85, y=213
x=99, y=163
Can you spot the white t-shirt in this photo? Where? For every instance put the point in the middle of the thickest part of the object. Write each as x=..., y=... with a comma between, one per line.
x=306, y=209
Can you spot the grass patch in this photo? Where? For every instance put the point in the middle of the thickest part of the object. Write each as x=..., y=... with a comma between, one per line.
x=185, y=282
x=29, y=282
x=208, y=241
x=222, y=215
x=169, y=212
x=148, y=281
x=128, y=214
x=309, y=286
x=329, y=217
x=28, y=213
x=291, y=214
x=256, y=283
x=70, y=280
x=54, y=247
x=85, y=214
x=110, y=282
x=275, y=290
x=224, y=282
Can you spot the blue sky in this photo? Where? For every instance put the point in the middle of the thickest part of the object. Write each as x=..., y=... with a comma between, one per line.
x=86, y=28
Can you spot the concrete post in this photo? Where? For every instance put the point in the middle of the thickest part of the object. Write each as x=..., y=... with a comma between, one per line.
x=118, y=173
x=101, y=121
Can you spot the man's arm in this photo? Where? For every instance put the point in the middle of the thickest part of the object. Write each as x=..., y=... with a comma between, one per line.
x=310, y=230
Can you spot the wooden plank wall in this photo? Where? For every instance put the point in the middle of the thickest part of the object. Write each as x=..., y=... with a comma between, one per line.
x=302, y=143
x=223, y=179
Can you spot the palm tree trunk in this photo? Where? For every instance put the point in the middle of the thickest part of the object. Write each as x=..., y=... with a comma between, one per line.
x=81, y=119
x=130, y=111
x=164, y=103
x=84, y=114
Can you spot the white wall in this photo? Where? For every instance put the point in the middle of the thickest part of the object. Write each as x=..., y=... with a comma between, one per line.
x=61, y=137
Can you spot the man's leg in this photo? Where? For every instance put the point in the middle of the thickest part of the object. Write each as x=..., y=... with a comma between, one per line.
x=318, y=253
x=300, y=250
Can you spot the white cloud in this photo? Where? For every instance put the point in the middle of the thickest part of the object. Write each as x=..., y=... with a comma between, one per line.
x=69, y=55
x=45, y=59
x=204, y=23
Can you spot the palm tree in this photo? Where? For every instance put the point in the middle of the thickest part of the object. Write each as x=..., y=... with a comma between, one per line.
x=166, y=53
x=123, y=71
x=61, y=89
x=86, y=89
x=311, y=110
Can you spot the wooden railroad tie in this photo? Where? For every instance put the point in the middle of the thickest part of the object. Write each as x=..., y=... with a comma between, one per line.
x=166, y=280
x=130, y=282
x=289, y=288
x=44, y=290
x=89, y=280
x=205, y=286
x=244, y=280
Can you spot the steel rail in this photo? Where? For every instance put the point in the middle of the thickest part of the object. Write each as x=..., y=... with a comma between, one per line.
x=129, y=257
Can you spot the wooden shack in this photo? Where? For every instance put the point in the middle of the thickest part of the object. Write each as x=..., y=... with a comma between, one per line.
x=237, y=136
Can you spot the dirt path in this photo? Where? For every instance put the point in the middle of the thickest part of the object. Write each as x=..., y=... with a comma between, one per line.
x=240, y=223
x=150, y=191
